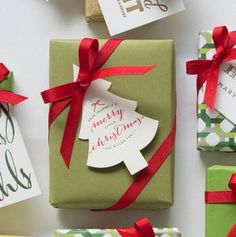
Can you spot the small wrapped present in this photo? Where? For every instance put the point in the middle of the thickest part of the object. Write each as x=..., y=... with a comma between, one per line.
x=80, y=176
x=92, y=11
x=215, y=85
x=221, y=201
x=142, y=228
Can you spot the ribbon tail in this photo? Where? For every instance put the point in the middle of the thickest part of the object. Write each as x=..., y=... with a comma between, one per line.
x=11, y=97
x=146, y=175
x=122, y=70
x=232, y=232
x=211, y=86
x=56, y=108
x=71, y=126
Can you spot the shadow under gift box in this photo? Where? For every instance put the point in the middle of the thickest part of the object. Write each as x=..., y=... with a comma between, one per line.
x=220, y=218
x=84, y=187
x=93, y=11
x=162, y=232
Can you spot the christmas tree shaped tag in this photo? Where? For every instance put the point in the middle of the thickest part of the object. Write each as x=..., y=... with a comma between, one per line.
x=116, y=133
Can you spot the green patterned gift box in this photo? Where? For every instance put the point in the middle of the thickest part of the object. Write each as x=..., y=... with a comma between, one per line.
x=215, y=131
x=165, y=232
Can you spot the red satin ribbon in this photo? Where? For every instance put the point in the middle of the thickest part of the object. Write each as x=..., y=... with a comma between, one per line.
x=143, y=178
x=5, y=95
x=232, y=232
x=221, y=197
x=142, y=228
x=208, y=70
x=91, y=60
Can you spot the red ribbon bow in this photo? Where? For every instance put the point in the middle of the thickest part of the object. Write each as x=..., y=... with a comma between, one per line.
x=5, y=95
x=91, y=60
x=208, y=70
x=232, y=232
x=142, y=228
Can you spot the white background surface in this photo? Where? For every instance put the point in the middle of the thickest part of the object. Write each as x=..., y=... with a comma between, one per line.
x=26, y=27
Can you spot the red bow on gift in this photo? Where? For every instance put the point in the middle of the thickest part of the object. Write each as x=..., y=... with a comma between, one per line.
x=91, y=60
x=208, y=70
x=5, y=95
x=142, y=228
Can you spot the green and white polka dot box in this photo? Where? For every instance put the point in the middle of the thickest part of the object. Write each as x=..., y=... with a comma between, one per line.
x=215, y=131
x=159, y=232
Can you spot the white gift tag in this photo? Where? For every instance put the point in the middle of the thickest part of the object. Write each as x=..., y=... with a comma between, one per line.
x=225, y=101
x=17, y=178
x=124, y=15
x=116, y=133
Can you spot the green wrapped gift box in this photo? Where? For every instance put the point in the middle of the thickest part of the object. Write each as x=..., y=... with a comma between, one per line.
x=164, y=232
x=93, y=12
x=215, y=131
x=220, y=217
x=89, y=188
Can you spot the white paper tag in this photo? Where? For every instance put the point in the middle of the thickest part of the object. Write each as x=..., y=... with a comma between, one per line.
x=124, y=15
x=226, y=92
x=116, y=133
x=17, y=178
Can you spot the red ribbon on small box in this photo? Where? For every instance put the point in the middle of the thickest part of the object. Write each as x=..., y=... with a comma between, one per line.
x=7, y=96
x=91, y=60
x=142, y=228
x=224, y=197
x=208, y=70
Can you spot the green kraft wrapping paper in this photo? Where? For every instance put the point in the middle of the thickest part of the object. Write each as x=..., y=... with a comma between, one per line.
x=159, y=232
x=93, y=11
x=220, y=218
x=84, y=187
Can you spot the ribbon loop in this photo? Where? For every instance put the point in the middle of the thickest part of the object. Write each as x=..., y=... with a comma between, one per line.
x=232, y=232
x=142, y=228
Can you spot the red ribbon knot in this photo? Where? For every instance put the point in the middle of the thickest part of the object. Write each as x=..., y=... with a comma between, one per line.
x=91, y=60
x=7, y=96
x=208, y=70
x=142, y=228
